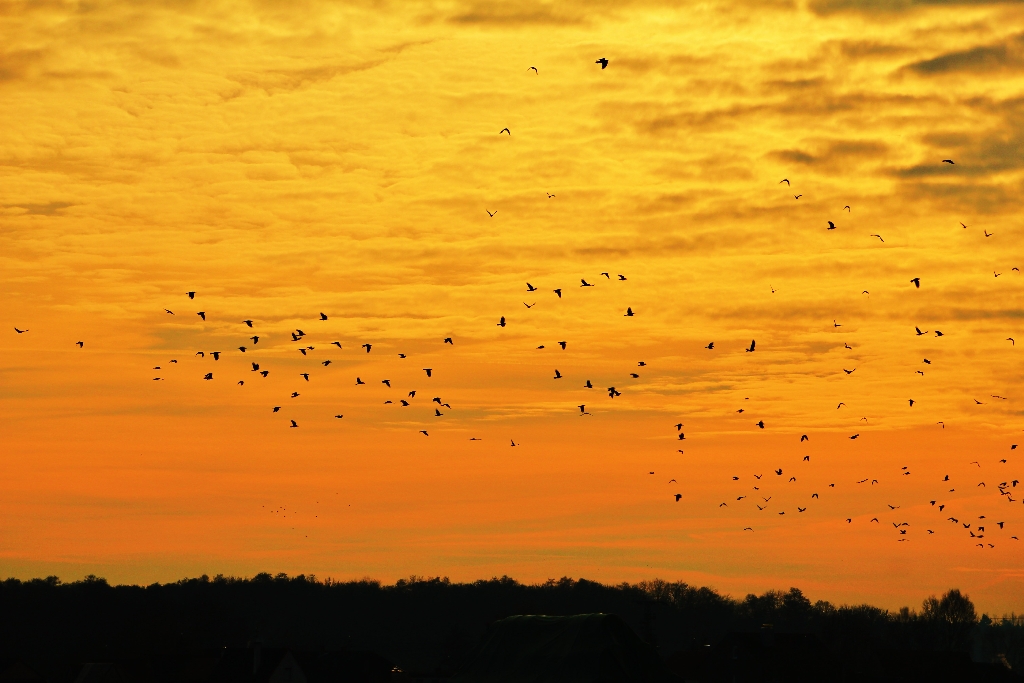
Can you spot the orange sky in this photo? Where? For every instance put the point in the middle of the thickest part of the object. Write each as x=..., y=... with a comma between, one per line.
x=283, y=159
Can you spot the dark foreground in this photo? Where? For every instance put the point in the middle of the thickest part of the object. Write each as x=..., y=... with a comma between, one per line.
x=300, y=630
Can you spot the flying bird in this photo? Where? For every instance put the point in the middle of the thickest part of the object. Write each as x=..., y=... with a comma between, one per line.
x=489, y=213
x=562, y=344
x=323, y=316
x=558, y=375
x=530, y=288
x=294, y=424
x=277, y=408
x=428, y=371
x=622, y=277
x=752, y=344
x=191, y=295
x=585, y=283
x=629, y=312
x=534, y=70
x=760, y=423
x=367, y=347
x=710, y=346
x=255, y=340
x=784, y=180
x=202, y=314
x=831, y=225
x=804, y=437
x=501, y=323
x=505, y=130
x=448, y=340
x=80, y=344
x=558, y=292
x=603, y=62
x=208, y=375
x=947, y=161
x=911, y=402
x=847, y=207
x=916, y=281
x=878, y=236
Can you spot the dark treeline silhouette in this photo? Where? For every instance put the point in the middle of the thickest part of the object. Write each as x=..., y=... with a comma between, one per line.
x=427, y=626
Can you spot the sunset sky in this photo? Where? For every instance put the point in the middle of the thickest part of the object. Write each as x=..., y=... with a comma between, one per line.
x=287, y=159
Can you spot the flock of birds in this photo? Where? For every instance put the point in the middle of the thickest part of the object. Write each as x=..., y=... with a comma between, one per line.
x=762, y=492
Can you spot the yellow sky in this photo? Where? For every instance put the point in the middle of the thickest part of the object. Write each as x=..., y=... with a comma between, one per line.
x=283, y=159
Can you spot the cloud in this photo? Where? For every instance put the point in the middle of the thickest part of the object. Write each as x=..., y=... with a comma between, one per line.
x=48, y=209
x=981, y=59
x=878, y=6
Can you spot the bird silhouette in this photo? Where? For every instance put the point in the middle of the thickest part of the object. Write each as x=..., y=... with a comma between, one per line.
x=429, y=371
x=294, y=424
x=202, y=314
x=448, y=340
x=530, y=288
x=562, y=344
x=585, y=283
x=505, y=130
x=752, y=345
x=501, y=323
x=208, y=375
x=948, y=161
x=277, y=408
x=387, y=382
x=588, y=385
x=784, y=180
x=534, y=70
x=367, y=347
x=710, y=346
x=558, y=292
x=804, y=437
x=603, y=62
x=491, y=213
x=191, y=295
x=917, y=282
x=629, y=312
x=878, y=236
x=80, y=344
x=831, y=225
x=760, y=423
x=558, y=375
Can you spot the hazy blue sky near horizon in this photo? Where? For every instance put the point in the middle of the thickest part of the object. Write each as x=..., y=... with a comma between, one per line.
x=287, y=159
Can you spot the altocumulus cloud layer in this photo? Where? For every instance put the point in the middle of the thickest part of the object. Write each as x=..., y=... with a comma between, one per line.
x=287, y=159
